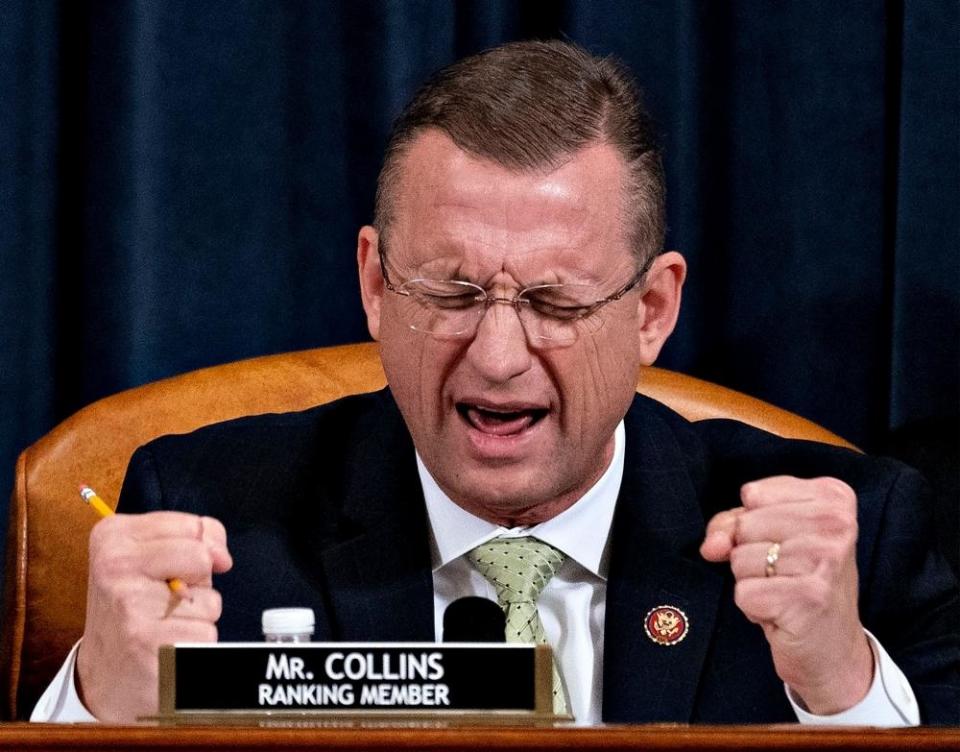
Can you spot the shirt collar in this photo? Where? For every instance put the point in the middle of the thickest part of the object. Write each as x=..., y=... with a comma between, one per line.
x=580, y=531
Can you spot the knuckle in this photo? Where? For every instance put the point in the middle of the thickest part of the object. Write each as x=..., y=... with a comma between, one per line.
x=213, y=528
x=103, y=531
x=832, y=518
x=110, y=563
x=850, y=523
x=95, y=539
x=822, y=520
x=836, y=489
x=846, y=526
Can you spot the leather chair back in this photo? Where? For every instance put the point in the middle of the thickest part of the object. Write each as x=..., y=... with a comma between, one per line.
x=46, y=569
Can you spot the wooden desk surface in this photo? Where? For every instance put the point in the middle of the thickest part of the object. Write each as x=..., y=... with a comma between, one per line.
x=34, y=737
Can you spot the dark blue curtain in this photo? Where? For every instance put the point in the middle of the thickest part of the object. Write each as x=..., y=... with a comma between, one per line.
x=181, y=184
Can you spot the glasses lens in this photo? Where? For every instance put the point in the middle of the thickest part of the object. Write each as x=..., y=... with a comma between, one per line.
x=552, y=315
x=555, y=315
x=445, y=308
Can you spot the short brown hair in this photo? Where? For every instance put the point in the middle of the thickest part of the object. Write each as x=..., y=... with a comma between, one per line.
x=530, y=105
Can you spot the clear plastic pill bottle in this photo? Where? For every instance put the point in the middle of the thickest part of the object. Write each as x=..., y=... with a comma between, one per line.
x=287, y=624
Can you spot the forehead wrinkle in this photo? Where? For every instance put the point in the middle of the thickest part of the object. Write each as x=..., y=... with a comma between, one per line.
x=478, y=252
x=499, y=220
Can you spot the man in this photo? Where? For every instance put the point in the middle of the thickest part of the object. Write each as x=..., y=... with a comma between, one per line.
x=515, y=280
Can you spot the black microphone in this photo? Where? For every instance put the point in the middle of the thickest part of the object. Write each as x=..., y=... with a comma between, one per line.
x=474, y=619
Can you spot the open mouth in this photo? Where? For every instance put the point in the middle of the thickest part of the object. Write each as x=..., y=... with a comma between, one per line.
x=500, y=421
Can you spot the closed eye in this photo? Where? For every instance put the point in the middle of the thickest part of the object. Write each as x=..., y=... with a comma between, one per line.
x=454, y=302
x=561, y=312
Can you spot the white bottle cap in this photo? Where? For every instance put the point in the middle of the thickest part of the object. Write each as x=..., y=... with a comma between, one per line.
x=285, y=621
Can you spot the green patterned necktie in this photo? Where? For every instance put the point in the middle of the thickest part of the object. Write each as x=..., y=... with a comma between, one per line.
x=520, y=568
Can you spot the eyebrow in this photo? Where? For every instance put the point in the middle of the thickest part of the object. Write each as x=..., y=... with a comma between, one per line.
x=450, y=267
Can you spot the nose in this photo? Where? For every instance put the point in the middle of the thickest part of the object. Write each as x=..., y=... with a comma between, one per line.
x=499, y=350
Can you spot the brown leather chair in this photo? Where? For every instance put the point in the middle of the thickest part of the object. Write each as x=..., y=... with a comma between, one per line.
x=46, y=570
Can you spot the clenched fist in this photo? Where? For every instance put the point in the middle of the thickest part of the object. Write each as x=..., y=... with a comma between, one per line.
x=131, y=611
x=792, y=550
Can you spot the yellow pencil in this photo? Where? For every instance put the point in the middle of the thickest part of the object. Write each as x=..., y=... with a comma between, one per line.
x=177, y=586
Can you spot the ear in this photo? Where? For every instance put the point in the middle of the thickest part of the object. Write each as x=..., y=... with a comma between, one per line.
x=660, y=303
x=371, y=277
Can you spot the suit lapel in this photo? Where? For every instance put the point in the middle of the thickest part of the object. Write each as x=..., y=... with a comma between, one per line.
x=377, y=566
x=654, y=561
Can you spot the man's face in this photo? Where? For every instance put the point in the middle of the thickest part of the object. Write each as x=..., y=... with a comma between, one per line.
x=512, y=433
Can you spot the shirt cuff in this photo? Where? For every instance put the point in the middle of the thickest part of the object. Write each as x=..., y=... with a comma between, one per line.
x=60, y=702
x=889, y=702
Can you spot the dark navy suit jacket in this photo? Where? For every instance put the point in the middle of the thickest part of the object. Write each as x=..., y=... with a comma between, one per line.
x=324, y=508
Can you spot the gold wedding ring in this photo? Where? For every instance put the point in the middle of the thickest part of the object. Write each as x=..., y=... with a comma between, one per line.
x=773, y=556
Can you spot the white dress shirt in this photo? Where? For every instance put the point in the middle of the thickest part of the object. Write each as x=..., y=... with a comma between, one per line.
x=572, y=606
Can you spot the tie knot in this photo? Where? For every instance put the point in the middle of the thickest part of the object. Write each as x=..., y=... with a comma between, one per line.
x=519, y=568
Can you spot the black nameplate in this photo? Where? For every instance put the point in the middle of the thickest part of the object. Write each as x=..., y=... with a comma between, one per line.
x=352, y=677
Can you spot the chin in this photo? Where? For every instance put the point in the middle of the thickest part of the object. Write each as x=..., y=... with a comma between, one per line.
x=503, y=496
